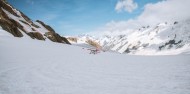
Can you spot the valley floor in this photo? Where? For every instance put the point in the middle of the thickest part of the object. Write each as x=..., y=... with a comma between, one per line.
x=36, y=67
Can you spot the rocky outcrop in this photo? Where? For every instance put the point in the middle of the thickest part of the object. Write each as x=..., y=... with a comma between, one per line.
x=52, y=35
x=56, y=37
x=93, y=43
x=72, y=39
x=46, y=26
x=170, y=44
x=26, y=18
x=4, y=5
x=16, y=28
x=36, y=35
x=9, y=25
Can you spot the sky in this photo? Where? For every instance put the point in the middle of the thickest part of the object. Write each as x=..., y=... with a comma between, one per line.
x=73, y=17
x=70, y=17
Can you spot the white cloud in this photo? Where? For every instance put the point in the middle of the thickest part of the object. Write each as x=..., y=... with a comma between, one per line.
x=168, y=10
x=162, y=11
x=126, y=5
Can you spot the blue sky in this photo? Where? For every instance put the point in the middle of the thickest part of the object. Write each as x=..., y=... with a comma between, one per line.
x=72, y=17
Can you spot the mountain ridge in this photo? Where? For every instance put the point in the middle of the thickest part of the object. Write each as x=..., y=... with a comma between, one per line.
x=163, y=39
x=17, y=23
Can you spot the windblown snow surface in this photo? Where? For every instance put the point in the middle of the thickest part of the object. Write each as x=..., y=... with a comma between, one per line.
x=41, y=67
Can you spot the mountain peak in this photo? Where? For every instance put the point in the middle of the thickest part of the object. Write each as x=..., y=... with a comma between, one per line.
x=17, y=23
x=164, y=38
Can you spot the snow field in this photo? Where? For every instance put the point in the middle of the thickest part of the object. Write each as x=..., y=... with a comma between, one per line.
x=30, y=66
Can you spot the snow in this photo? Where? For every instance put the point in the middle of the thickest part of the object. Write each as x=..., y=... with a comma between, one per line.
x=147, y=40
x=30, y=66
x=4, y=33
x=27, y=27
x=11, y=16
x=42, y=29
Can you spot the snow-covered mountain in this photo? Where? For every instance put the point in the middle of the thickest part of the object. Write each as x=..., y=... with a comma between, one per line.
x=19, y=25
x=84, y=41
x=164, y=38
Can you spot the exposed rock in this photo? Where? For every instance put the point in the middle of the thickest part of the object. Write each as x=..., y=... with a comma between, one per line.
x=56, y=37
x=93, y=43
x=170, y=44
x=127, y=50
x=46, y=26
x=72, y=39
x=26, y=18
x=4, y=5
x=52, y=35
x=35, y=25
x=33, y=29
x=24, y=22
x=36, y=35
x=65, y=40
x=9, y=25
x=15, y=28
x=11, y=28
x=175, y=22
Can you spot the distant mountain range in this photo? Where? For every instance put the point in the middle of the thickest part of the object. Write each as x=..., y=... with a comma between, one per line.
x=164, y=38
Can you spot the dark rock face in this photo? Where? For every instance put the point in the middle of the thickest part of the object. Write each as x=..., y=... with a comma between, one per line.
x=3, y=4
x=56, y=37
x=46, y=26
x=26, y=18
x=12, y=26
x=93, y=43
x=36, y=35
x=9, y=24
x=72, y=39
x=52, y=35
x=127, y=50
x=171, y=43
x=175, y=22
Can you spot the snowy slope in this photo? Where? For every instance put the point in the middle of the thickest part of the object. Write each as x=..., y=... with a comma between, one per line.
x=19, y=25
x=4, y=33
x=167, y=38
x=26, y=25
x=30, y=66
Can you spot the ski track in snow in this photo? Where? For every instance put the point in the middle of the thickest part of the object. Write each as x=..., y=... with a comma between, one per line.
x=36, y=67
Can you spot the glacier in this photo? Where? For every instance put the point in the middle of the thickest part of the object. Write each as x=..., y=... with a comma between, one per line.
x=30, y=66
